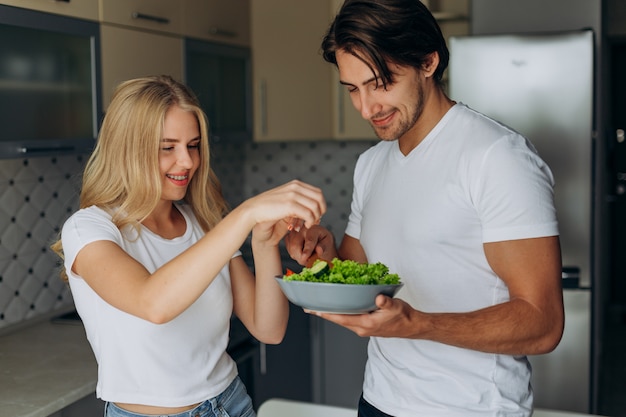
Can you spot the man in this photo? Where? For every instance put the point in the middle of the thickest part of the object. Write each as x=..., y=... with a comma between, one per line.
x=461, y=207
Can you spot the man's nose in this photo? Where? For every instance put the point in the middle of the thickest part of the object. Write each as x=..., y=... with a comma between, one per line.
x=368, y=105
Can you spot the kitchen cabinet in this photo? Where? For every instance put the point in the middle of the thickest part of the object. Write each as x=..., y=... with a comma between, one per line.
x=452, y=16
x=347, y=121
x=453, y=19
x=84, y=9
x=284, y=370
x=154, y=15
x=291, y=82
x=220, y=74
x=217, y=21
x=139, y=38
x=129, y=53
x=615, y=18
x=297, y=95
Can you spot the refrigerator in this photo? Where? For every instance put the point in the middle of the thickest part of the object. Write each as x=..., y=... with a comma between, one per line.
x=541, y=85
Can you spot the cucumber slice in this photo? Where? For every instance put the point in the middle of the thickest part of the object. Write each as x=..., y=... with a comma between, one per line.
x=320, y=268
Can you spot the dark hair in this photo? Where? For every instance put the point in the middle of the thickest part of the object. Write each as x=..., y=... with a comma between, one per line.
x=403, y=32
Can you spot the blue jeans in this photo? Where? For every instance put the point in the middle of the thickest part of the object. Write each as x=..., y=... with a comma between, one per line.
x=233, y=402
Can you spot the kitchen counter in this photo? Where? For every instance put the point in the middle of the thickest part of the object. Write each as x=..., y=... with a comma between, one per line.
x=44, y=368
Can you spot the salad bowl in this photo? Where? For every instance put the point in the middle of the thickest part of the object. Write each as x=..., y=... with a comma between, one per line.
x=335, y=298
x=344, y=287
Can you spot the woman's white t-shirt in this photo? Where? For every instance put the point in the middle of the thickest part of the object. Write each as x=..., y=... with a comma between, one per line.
x=178, y=363
x=427, y=215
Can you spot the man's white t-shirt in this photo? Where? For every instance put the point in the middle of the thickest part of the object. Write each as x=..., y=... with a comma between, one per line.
x=427, y=215
x=178, y=363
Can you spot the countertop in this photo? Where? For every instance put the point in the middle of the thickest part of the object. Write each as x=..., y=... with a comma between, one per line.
x=44, y=368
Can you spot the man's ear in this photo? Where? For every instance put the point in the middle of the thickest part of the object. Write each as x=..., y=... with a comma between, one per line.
x=431, y=64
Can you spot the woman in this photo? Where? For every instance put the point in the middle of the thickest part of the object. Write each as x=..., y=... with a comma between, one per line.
x=153, y=263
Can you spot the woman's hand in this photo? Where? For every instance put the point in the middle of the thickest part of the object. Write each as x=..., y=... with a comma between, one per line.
x=276, y=211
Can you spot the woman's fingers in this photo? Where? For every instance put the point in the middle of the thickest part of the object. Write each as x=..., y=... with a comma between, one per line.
x=305, y=203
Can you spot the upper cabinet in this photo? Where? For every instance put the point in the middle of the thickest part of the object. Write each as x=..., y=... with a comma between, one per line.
x=217, y=20
x=291, y=81
x=83, y=9
x=297, y=95
x=157, y=15
x=347, y=121
x=128, y=53
x=452, y=16
x=139, y=38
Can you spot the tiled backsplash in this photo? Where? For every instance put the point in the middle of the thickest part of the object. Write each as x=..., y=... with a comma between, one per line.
x=38, y=194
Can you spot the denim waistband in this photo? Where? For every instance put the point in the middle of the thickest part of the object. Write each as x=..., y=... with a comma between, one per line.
x=233, y=402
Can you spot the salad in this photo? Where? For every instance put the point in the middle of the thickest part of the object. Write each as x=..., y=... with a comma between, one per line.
x=345, y=272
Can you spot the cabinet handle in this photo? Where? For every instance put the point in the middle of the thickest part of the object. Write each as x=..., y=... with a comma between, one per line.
x=214, y=30
x=262, y=358
x=143, y=16
x=62, y=1
x=263, y=97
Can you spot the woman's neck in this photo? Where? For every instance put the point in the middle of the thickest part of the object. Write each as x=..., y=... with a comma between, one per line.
x=166, y=222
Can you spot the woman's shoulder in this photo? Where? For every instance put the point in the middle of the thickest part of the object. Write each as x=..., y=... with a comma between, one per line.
x=92, y=213
x=90, y=220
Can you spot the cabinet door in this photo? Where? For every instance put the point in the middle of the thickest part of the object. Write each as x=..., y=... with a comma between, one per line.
x=616, y=18
x=128, y=53
x=219, y=75
x=284, y=370
x=291, y=80
x=217, y=20
x=84, y=9
x=157, y=15
x=347, y=121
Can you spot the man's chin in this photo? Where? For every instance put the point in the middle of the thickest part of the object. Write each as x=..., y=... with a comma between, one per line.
x=385, y=135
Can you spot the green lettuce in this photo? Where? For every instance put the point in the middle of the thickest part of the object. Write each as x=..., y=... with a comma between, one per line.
x=347, y=272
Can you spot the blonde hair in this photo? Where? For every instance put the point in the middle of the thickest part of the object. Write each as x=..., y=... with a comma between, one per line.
x=122, y=174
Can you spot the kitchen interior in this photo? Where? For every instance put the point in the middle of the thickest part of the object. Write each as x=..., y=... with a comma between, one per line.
x=277, y=112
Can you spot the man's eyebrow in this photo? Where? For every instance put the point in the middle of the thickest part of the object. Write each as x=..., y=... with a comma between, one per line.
x=370, y=80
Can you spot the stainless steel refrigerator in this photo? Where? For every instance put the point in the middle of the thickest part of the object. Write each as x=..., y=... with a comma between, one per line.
x=541, y=85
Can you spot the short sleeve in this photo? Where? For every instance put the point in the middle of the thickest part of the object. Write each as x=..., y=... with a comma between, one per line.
x=514, y=192
x=83, y=227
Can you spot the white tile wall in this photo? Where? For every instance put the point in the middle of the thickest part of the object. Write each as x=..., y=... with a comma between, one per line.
x=38, y=194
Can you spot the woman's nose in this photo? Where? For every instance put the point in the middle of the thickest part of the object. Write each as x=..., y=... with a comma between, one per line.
x=184, y=158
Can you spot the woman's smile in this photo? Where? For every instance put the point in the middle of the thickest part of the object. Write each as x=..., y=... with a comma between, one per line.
x=179, y=179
